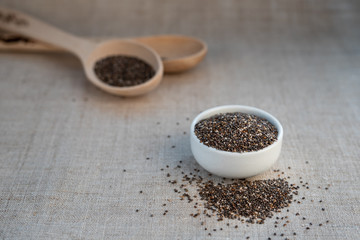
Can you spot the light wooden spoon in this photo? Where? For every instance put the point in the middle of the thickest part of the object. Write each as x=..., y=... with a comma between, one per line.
x=87, y=51
x=178, y=52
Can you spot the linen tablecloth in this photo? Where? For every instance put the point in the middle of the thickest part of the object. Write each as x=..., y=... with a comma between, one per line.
x=73, y=159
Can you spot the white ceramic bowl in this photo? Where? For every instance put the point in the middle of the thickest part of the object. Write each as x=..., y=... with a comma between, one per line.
x=234, y=164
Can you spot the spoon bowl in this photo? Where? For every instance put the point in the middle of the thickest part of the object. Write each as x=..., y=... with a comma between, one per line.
x=179, y=53
x=126, y=48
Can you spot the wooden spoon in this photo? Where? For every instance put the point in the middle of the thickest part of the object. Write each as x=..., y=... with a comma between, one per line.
x=87, y=51
x=178, y=53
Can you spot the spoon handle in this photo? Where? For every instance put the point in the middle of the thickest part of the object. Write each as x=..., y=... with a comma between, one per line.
x=21, y=23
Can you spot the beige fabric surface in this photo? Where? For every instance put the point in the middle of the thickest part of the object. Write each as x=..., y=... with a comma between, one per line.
x=64, y=144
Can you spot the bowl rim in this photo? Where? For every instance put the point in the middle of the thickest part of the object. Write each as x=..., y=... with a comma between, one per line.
x=255, y=111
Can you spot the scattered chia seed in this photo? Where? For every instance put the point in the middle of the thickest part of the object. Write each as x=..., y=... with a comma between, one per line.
x=123, y=71
x=254, y=200
x=236, y=132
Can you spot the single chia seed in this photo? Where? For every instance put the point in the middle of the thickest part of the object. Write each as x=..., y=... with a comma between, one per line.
x=236, y=132
x=123, y=71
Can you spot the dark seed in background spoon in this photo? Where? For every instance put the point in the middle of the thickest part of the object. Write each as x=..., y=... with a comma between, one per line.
x=123, y=71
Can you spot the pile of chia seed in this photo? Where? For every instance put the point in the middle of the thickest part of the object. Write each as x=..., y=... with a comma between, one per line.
x=250, y=201
x=236, y=132
x=254, y=200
